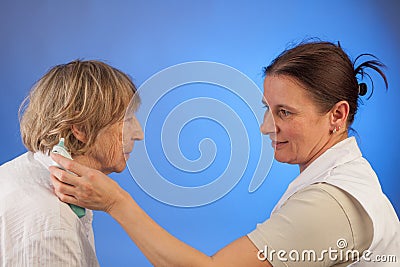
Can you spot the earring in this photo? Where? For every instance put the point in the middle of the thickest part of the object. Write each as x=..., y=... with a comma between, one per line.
x=335, y=130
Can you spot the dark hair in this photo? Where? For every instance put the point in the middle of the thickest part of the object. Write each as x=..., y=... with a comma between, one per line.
x=327, y=73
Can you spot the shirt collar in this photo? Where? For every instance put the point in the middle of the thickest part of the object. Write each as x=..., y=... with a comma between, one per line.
x=341, y=153
x=43, y=159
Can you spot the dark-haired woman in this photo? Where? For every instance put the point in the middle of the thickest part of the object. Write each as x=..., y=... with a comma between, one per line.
x=333, y=214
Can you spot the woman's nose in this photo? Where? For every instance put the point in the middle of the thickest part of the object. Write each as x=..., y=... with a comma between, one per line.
x=268, y=125
x=137, y=131
x=139, y=134
x=133, y=130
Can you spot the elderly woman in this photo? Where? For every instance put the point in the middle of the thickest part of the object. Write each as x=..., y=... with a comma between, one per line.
x=332, y=214
x=85, y=103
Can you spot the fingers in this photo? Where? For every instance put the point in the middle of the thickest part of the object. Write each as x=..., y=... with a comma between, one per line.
x=63, y=176
x=63, y=191
x=70, y=165
x=61, y=187
x=91, y=189
x=64, y=184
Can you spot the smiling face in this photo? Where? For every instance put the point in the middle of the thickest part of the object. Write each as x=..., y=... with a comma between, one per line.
x=298, y=131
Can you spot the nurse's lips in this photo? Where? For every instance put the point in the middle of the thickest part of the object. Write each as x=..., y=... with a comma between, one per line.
x=278, y=144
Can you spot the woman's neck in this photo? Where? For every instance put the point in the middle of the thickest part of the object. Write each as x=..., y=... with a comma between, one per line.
x=335, y=138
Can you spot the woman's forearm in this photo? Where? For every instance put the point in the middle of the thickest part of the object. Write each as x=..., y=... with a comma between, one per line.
x=167, y=250
x=94, y=190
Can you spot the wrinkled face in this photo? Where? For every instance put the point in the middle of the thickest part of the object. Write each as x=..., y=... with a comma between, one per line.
x=300, y=133
x=114, y=144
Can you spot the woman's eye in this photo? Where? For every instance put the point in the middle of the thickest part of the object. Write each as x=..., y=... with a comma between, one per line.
x=284, y=112
x=266, y=107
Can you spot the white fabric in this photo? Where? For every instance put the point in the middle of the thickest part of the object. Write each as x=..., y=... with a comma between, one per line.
x=36, y=229
x=343, y=166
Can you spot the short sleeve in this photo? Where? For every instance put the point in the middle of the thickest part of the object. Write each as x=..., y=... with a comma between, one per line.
x=308, y=229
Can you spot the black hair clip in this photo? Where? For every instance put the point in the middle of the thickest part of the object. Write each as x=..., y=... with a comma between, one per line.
x=362, y=89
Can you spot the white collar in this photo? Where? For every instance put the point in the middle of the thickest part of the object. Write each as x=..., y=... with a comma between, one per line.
x=341, y=153
x=43, y=158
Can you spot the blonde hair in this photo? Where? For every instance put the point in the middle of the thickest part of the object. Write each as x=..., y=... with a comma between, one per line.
x=89, y=94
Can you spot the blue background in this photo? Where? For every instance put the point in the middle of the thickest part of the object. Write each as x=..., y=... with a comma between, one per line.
x=144, y=37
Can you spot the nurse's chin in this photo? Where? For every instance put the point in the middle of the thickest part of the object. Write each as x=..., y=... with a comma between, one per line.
x=283, y=158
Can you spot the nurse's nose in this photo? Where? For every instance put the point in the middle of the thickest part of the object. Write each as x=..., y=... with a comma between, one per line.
x=268, y=125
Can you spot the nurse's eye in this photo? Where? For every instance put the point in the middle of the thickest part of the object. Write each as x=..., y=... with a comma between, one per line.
x=284, y=113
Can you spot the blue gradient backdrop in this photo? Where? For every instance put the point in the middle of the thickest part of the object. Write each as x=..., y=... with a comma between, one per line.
x=144, y=37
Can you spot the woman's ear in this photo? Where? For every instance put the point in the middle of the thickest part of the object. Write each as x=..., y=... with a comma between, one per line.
x=339, y=114
x=79, y=133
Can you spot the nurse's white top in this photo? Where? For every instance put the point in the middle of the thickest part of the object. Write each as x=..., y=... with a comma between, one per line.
x=341, y=166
